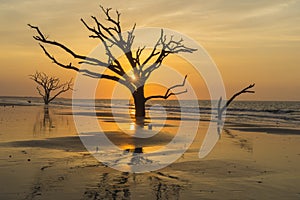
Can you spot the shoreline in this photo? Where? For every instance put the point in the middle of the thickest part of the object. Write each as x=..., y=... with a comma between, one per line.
x=65, y=98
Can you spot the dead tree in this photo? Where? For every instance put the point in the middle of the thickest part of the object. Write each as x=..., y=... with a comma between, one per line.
x=221, y=110
x=47, y=84
x=109, y=32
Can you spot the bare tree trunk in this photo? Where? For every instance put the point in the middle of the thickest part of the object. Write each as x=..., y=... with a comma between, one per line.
x=139, y=102
x=46, y=98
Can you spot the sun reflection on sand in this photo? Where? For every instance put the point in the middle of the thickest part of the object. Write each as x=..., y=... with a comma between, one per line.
x=132, y=126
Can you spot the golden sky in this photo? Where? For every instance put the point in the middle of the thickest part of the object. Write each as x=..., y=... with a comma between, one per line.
x=249, y=40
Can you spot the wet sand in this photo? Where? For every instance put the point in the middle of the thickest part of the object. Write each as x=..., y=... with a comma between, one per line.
x=42, y=157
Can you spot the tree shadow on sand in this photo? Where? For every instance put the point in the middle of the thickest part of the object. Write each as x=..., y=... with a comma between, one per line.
x=120, y=186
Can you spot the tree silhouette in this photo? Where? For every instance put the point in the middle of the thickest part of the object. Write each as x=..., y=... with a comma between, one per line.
x=222, y=109
x=47, y=84
x=109, y=32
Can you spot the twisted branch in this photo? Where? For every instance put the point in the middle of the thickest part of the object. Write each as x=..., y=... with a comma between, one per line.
x=170, y=46
x=168, y=92
x=221, y=110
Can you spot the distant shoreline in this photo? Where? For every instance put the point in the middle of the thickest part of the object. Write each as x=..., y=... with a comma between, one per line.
x=63, y=98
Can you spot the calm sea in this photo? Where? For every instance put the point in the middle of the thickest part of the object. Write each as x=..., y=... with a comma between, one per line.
x=267, y=113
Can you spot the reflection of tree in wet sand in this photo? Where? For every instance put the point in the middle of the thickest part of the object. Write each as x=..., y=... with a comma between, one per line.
x=136, y=155
x=112, y=186
x=51, y=121
x=43, y=123
x=134, y=148
x=165, y=190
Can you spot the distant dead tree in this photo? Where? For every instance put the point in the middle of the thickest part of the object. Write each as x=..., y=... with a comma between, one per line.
x=221, y=110
x=109, y=32
x=47, y=84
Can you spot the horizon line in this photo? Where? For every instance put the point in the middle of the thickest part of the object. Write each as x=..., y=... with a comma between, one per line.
x=152, y=100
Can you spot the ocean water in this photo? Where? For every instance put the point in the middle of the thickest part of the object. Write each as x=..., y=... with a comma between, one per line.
x=252, y=113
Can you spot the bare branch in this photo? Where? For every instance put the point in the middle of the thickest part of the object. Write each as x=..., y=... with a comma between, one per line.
x=98, y=32
x=170, y=46
x=67, y=66
x=168, y=92
x=39, y=91
x=116, y=69
x=153, y=53
x=64, y=88
x=49, y=84
x=138, y=54
x=245, y=90
x=40, y=37
x=91, y=74
x=115, y=22
x=130, y=38
x=109, y=35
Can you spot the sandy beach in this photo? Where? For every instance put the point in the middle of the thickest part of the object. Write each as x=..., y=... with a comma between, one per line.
x=42, y=157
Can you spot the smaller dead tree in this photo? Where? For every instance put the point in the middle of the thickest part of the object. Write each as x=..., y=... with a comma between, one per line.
x=47, y=85
x=221, y=110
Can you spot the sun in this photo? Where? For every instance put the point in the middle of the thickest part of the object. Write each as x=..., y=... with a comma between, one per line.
x=133, y=77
